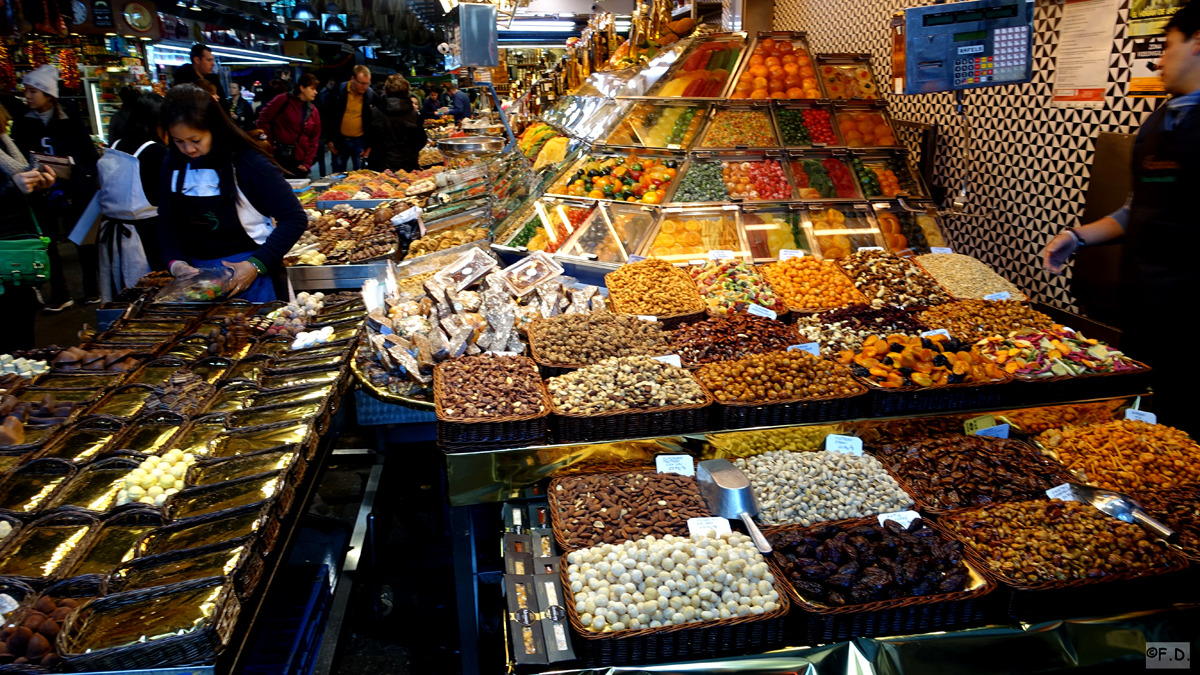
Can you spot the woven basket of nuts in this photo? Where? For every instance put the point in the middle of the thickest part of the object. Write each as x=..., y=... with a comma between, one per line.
x=656, y=288
x=569, y=342
x=841, y=577
x=489, y=400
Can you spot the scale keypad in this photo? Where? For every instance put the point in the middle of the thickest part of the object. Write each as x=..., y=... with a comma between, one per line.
x=1010, y=56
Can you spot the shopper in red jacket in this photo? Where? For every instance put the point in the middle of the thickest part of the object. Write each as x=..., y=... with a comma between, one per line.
x=293, y=125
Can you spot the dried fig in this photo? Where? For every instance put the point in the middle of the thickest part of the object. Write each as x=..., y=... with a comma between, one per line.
x=19, y=640
x=39, y=646
x=49, y=628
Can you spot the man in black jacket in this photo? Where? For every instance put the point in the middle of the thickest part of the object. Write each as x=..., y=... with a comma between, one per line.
x=240, y=109
x=203, y=66
x=399, y=131
x=346, y=120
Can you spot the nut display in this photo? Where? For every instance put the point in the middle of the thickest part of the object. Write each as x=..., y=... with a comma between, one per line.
x=623, y=383
x=808, y=283
x=732, y=286
x=612, y=508
x=728, y=337
x=653, y=287
x=1048, y=540
x=1054, y=353
x=953, y=472
x=590, y=338
x=846, y=328
x=775, y=377
x=813, y=487
x=898, y=361
x=965, y=277
x=973, y=319
x=733, y=128
x=483, y=386
x=111, y=360
x=669, y=581
x=1179, y=509
x=1126, y=456
x=32, y=642
x=858, y=562
x=1038, y=420
x=886, y=278
x=156, y=479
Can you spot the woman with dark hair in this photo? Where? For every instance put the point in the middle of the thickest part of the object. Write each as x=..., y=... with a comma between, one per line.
x=293, y=125
x=116, y=125
x=399, y=131
x=219, y=192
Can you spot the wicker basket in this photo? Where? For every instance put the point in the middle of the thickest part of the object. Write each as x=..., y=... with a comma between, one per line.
x=91, y=584
x=1023, y=300
x=282, y=499
x=1083, y=387
x=200, y=645
x=671, y=420
x=701, y=640
x=515, y=430
x=962, y=396
x=68, y=560
x=47, y=467
x=245, y=575
x=920, y=614
x=668, y=321
x=737, y=415
x=267, y=530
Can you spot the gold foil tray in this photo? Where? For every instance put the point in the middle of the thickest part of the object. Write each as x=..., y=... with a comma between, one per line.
x=127, y=402
x=95, y=487
x=89, y=381
x=219, y=560
x=116, y=540
x=247, y=370
x=253, y=417
x=294, y=395
x=323, y=361
x=300, y=379
x=201, y=501
x=46, y=546
x=177, y=613
x=203, y=531
x=34, y=394
x=253, y=440
x=212, y=369
x=150, y=435
x=79, y=444
x=152, y=326
x=232, y=398
x=200, y=437
x=24, y=490
x=242, y=466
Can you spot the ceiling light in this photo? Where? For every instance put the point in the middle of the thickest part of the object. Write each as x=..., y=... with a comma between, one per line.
x=334, y=24
x=194, y=7
x=539, y=27
x=304, y=12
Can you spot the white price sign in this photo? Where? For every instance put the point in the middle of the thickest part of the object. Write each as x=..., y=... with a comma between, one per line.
x=1064, y=492
x=940, y=249
x=647, y=317
x=931, y=333
x=870, y=248
x=680, y=464
x=1003, y=295
x=636, y=259
x=785, y=253
x=813, y=348
x=697, y=262
x=672, y=359
x=847, y=445
x=759, y=310
x=720, y=254
x=708, y=526
x=1141, y=416
x=905, y=518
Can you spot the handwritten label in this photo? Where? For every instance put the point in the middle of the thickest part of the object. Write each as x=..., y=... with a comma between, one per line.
x=680, y=464
x=905, y=518
x=847, y=445
x=931, y=333
x=870, y=248
x=974, y=424
x=759, y=310
x=720, y=254
x=708, y=527
x=813, y=348
x=697, y=262
x=671, y=359
x=1141, y=416
x=994, y=297
x=998, y=431
x=1065, y=492
x=785, y=253
x=636, y=258
x=647, y=317
x=940, y=249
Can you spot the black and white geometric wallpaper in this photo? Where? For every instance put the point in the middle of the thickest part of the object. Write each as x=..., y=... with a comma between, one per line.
x=1029, y=163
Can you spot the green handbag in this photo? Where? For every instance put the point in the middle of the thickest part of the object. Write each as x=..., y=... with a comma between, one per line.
x=24, y=259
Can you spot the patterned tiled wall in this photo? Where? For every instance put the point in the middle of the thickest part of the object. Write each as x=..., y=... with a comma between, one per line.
x=1030, y=162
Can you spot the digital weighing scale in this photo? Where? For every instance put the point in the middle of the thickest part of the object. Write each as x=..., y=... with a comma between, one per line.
x=962, y=45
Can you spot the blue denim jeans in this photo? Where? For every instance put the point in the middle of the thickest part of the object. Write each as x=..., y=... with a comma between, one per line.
x=349, y=149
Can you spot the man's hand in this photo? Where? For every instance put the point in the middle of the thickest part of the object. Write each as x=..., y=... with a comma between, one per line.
x=1058, y=252
x=305, y=168
x=366, y=153
x=244, y=274
x=332, y=147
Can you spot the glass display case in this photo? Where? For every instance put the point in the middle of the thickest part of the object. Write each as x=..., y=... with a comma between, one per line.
x=684, y=234
x=771, y=229
x=657, y=125
x=639, y=176
x=887, y=174
x=736, y=127
x=779, y=66
x=807, y=125
x=907, y=233
x=753, y=176
x=611, y=234
x=606, y=117
x=571, y=111
x=549, y=224
x=823, y=176
x=837, y=230
x=847, y=77
x=703, y=70
x=866, y=127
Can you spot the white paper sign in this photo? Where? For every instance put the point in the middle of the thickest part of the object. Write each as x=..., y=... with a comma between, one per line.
x=720, y=254
x=940, y=249
x=998, y=431
x=847, y=445
x=647, y=317
x=785, y=253
x=905, y=518
x=708, y=526
x=680, y=464
x=759, y=310
x=1003, y=295
x=931, y=333
x=813, y=348
x=1084, y=42
x=636, y=259
x=975, y=424
x=870, y=248
x=1141, y=416
x=697, y=262
x=674, y=146
x=1064, y=492
x=672, y=359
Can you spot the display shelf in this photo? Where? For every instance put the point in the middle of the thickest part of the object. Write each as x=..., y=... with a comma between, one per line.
x=690, y=77
x=839, y=229
x=686, y=234
x=764, y=72
x=655, y=125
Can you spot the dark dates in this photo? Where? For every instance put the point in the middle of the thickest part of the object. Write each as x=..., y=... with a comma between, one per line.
x=730, y=337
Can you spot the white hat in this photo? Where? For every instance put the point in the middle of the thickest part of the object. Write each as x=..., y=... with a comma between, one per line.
x=44, y=79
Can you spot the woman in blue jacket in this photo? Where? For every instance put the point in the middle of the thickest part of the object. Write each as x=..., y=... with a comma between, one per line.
x=219, y=193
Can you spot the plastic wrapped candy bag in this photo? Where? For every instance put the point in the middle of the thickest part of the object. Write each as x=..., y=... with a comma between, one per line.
x=207, y=285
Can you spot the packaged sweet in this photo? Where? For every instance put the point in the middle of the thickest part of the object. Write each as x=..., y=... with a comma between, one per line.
x=522, y=277
x=467, y=269
x=207, y=285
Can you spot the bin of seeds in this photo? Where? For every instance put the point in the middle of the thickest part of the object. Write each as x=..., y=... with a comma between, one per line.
x=567, y=342
x=487, y=399
x=888, y=279
x=728, y=337
x=656, y=288
x=964, y=277
x=1126, y=456
x=808, y=284
x=780, y=388
x=975, y=319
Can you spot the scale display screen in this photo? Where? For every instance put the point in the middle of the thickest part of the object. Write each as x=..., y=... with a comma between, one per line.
x=964, y=45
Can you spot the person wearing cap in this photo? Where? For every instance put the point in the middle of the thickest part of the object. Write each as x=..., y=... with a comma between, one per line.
x=48, y=129
x=1158, y=269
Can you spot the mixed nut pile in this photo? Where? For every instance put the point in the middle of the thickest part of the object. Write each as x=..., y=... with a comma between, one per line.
x=490, y=386
x=887, y=279
x=1126, y=456
x=590, y=338
x=623, y=383
x=972, y=319
x=653, y=287
x=846, y=328
x=732, y=336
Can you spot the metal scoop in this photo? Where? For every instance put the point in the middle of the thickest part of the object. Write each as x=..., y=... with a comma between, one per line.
x=727, y=492
x=1124, y=508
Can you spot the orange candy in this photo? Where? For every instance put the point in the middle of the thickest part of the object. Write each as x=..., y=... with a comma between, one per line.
x=811, y=283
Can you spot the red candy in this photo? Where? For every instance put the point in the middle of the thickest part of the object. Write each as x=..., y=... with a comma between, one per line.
x=820, y=126
x=755, y=180
x=843, y=180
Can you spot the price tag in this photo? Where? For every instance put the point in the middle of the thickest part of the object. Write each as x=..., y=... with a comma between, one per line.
x=813, y=348
x=1065, y=492
x=635, y=259
x=697, y=262
x=708, y=526
x=1141, y=416
x=672, y=359
x=847, y=445
x=940, y=249
x=1003, y=295
x=905, y=518
x=785, y=253
x=998, y=431
x=647, y=317
x=870, y=248
x=720, y=254
x=674, y=146
x=931, y=333
x=759, y=310
x=680, y=464
x=974, y=424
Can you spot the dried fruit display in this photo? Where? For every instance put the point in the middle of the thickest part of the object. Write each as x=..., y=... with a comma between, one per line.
x=803, y=128
x=777, y=69
x=703, y=70
x=808, y=283
x=728, y=337
x=853, y=81
x=1126, y=456
x=1056, y=352
x=658, y=126
x=899, y=361
x=863, y=128
x=734, y=128
x=732, y=287
x=630, y=179
x=824, y=179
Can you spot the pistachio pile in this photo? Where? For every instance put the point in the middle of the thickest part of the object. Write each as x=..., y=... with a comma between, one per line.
x=623, y=383
x=814, y=487
x=966, y=277
x=589, y=338
x=489, y=386
x=886, y=278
